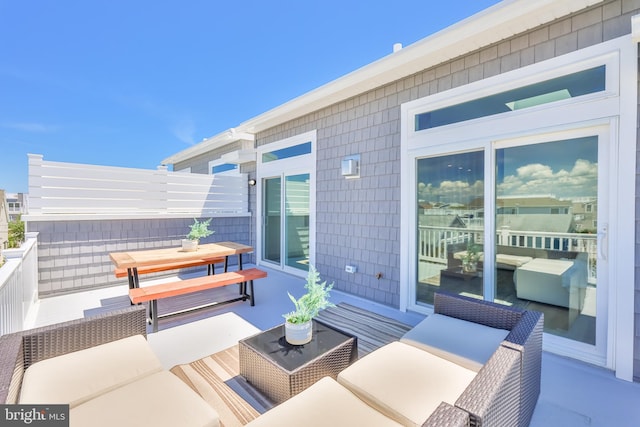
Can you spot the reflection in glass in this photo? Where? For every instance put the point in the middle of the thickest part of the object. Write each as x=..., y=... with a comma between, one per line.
x=564, y=87
x=450, y=225
x=546, y=216
x=297, y=221
x=285, y=153
x=272, y=219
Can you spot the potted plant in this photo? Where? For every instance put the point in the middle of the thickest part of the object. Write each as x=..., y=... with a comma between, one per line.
x=471, y=257
x=298, y=325
x=198, y=230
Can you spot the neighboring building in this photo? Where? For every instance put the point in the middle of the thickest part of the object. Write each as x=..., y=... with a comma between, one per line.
x=4, y=221
x=18, y=205
x=524, y=98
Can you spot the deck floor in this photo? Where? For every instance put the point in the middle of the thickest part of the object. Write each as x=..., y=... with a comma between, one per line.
x=573, y=393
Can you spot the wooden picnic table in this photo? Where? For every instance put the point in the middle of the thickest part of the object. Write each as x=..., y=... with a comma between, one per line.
x=150, y=260
x=175, y=257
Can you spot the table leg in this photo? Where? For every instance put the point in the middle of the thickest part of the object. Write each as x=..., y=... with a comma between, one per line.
x=153, y=314
x=243, y=285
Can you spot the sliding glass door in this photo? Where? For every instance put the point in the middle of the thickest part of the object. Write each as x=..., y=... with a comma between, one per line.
x=518, y=222
x=450, y=226
x=286, y=237
x=286, y=194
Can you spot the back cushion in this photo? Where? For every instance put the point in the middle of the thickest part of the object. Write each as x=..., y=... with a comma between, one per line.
x=76, y=377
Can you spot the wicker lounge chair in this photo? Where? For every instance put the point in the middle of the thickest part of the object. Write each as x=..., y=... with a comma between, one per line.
x=20, y=350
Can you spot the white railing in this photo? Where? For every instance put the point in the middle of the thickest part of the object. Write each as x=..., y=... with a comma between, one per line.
x=433, y=242
x=18, y=284
x=70, y=189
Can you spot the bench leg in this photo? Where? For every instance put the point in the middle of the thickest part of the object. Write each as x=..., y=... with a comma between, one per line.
x=251, y=297
x=134, y=279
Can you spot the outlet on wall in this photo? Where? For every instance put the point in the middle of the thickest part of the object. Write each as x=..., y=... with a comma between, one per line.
x=350, y=269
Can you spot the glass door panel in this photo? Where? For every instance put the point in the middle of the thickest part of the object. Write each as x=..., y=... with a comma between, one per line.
x=450, y=225
x=272, y=202
x=297, y=221
x=546, y=217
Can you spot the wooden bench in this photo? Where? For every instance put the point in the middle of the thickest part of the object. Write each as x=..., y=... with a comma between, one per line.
x=153, y=293
x=156, y=268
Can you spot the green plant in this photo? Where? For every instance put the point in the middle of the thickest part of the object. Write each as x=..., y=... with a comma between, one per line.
x=309, y=304
x=199, y=230
x=472, y=254
x=16, y=233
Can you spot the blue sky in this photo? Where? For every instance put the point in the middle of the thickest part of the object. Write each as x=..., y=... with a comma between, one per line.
x=130, y=82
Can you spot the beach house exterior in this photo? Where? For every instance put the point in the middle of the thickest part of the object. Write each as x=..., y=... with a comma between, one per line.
x=523, y=101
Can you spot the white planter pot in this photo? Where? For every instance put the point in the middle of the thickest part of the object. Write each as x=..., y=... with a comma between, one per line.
x=298, y=333
x=189, y=245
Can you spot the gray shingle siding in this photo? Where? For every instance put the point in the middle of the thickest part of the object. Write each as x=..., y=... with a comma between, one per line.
x=358, y=220
x=74, y=255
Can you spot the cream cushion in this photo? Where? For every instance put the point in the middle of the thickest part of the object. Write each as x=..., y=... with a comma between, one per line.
x=324, y=404
x=76, y=377
x=157, y=400
x=466, y=343
x=405, y=383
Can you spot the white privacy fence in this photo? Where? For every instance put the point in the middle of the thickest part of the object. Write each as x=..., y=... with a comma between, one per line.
x=18, y=284
x=67, y=188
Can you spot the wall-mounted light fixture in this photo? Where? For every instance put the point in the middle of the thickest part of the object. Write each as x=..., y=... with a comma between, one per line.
x=350, y=166
x=252, y=182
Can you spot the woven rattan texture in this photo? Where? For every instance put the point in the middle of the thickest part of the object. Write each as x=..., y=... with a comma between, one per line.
x=524, y=339
x=20, y=350
x=446, y=415
x=279, y=384
x=493, y=397
x=478, y=311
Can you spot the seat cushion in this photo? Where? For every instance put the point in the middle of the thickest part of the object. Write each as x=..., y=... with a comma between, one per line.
x=76, y=377
x=156, y=400
x=404, y=382
x=466, y=343
x=325, y=403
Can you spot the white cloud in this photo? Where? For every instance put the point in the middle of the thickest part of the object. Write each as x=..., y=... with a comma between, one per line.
x=185, y=130
x=535, y=178
x=29, y=127
x=581, y=180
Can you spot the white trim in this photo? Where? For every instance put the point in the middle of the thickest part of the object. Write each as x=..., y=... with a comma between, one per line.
x=635, y=29
x=107, y=217
x=624, y=220
x=289, y=166
x=614, y=108
x=209, y=144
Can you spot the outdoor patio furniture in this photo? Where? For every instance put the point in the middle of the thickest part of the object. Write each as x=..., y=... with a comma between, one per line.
x=412, y=384
x=153, y=293
x=281, y=370
x=103, y=368
x=560, y=282
x=176, y=257
x=135, y=262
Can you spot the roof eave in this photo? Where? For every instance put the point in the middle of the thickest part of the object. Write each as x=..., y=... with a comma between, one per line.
x=496, y=23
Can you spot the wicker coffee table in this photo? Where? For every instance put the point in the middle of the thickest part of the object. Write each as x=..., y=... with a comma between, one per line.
x=280, y=370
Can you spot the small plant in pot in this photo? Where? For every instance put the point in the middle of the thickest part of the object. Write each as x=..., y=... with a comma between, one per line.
x=471, y=257
x=298, y=325
x=198, y=230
